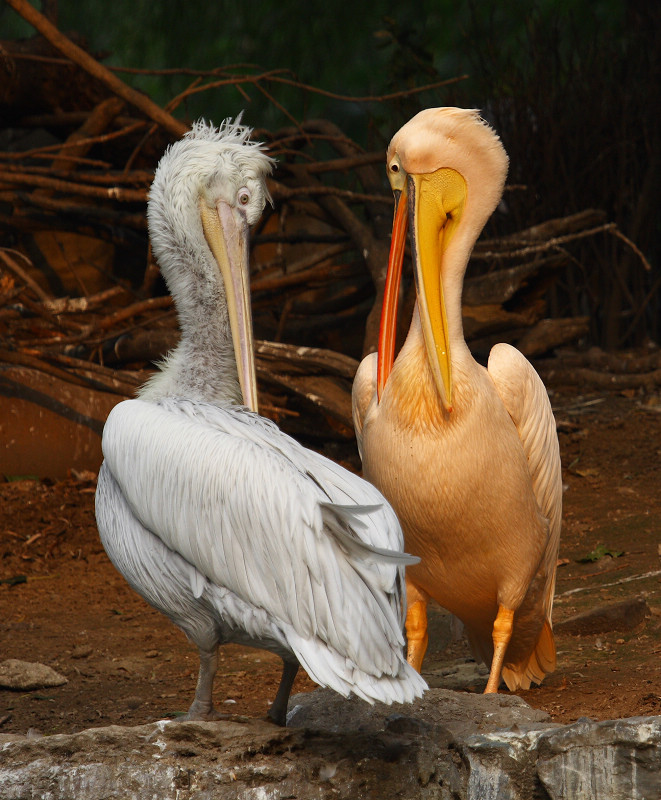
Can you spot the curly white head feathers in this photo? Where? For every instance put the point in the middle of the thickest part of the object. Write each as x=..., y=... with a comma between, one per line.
x=207, y=163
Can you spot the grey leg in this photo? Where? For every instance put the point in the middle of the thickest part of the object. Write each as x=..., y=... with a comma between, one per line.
x=202, y=706
x=278, y=711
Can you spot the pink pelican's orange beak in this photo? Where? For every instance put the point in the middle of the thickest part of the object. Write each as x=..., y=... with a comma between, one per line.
x=430, y=205
x=388, y=327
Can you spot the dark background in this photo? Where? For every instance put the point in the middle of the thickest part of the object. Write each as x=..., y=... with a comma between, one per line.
x=572, y=88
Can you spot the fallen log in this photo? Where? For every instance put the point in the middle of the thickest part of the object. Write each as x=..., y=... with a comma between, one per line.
x=555, y=373
x=79, y=305
x=548, y=334
x=153, y=345
x=78, y=143
x=619, y=362
x=321, y=391
x=71, y=188
x=107, y=382
x=542, y=232
x=501, y=285
x=307, y=359
x=480, y=321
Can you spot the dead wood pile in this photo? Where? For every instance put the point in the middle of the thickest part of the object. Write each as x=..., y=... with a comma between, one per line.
x=81, y=299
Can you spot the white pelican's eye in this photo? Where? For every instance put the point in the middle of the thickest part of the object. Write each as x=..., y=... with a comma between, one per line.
x=243, y=197
x=394, y=167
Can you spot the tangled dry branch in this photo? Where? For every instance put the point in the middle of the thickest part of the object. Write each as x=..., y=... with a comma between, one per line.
x=80, y=299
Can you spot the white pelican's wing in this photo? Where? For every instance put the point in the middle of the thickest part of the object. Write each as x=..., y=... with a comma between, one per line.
x=363, y=392
x=244, y=504
x=336, y=485
x=525, y=398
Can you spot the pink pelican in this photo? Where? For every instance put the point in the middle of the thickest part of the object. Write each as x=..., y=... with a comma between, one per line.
x=468, y=457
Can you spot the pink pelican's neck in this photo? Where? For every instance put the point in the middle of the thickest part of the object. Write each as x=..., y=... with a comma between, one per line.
x=452, y=270
x=411, y=393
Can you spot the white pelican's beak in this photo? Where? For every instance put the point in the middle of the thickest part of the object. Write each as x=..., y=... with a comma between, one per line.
x=435, y=204
x=226, y=232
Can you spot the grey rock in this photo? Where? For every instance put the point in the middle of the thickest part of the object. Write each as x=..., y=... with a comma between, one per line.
x=459, y=674
x=27, y=675
x=502, y=765
x=457, y=713
x=447, y=746
x=623, y=616
x=237, y=759
x=613, y=760
x=618, y=759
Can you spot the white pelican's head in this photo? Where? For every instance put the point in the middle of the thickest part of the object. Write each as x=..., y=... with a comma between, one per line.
x=447, y=169
x=209, y=187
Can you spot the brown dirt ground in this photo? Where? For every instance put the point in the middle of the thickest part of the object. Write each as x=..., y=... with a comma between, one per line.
x=128, y=665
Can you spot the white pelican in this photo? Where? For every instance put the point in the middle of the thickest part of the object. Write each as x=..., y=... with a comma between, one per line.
x=218, y=519
x=468, y=457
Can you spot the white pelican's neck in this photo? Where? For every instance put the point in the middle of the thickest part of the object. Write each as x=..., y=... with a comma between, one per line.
x=203, y=365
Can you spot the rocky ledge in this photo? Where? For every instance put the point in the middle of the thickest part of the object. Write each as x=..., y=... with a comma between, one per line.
x=449, y=745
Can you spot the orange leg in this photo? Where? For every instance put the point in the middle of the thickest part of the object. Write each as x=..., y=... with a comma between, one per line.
x=502, y=633
x=416, y=625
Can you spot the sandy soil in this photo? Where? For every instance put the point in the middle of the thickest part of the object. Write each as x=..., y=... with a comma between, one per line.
x=63, y=604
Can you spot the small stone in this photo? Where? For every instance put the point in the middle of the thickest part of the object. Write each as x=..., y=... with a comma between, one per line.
x=327, y=771
x=152, y=653
x=81, y=651
x=27, y=675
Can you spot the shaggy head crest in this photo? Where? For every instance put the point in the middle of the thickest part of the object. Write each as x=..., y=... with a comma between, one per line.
x=228, y=132
x=206, y=149
x=234, y=138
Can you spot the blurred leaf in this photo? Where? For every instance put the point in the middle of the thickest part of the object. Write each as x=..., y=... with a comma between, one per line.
x=600, y=552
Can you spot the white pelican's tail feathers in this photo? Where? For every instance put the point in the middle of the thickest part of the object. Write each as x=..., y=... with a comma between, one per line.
x=540, y=662
x=328, y=668
x=334, y=515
